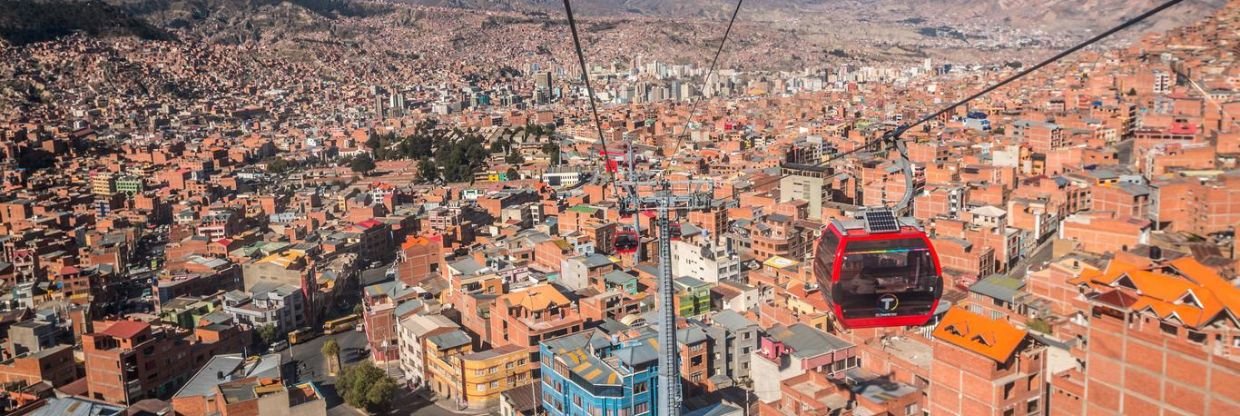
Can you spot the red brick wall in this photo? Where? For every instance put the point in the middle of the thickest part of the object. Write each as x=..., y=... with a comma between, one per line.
x=1137, y=369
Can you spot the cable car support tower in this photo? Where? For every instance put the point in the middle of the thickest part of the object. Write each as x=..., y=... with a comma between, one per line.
x=667, y=197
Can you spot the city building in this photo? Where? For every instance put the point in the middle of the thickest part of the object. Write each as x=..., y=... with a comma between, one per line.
x=1159, y=340
x=580, y=272
x=589, y=373
x=984, y=366
x=31, y=336
x=421, y=258
x=525, y=317
x=733, y=339
x=489, y=373
x=809, y=183
x=790, y=351
x=127, y=361
x=267, y=303
x=705, y=261
x=54, y=365
x=384, y=304
x=692, y=296
x=414, y=330
x=444, y=370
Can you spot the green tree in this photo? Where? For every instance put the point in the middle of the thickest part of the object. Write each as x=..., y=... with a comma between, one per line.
x=500, y=145
x=374, y=142
x=427, y=171
x=513, y=174
x=331, y=353
x=358, y=309
x=362, y=164
x=515, y=158
x=365, y=386
x=552, y=150
x=379, y=395
x=535, y=129
x=278, y=166
x=268, y=334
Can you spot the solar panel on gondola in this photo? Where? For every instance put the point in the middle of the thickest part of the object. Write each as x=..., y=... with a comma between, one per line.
x=881, y=221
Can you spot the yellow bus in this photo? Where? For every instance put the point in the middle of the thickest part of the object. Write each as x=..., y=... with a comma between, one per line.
x=302, y=335
x=339, y=325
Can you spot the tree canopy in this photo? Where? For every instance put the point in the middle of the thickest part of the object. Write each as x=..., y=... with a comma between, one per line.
x=362, y=164
x=268, y=334
x=365, y=386
x=331, y=348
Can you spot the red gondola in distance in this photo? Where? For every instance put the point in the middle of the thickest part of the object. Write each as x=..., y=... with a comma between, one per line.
x=878, y=271
x=626, y=241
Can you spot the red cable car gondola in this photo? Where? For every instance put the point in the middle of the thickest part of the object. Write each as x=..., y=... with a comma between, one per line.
x=626, y=241
x=878, y=271
x=674, y=231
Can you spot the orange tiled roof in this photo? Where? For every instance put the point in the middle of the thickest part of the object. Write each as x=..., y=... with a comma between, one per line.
x=414, y=241
x=1188, y=291
x=536, y=298
x=993, y=339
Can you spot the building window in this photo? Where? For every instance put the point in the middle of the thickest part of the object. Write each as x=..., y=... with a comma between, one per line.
x=910, y=409
x=1197, y=337
x=1168, y=329
x=481, y=387
x=1031, y=407
x=641, y=408
x=639, y=388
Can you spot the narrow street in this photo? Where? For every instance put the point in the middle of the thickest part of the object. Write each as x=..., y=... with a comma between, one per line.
x=306, y=362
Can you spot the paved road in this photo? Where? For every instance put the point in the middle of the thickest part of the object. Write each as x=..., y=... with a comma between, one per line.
x=1041, y=254
x=352, y=351
x=310, y=354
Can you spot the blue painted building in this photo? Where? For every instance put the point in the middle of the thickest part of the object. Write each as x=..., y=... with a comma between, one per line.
x=588, y=373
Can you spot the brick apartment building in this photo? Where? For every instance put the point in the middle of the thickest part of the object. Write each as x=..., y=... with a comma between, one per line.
x=421, y=258
x=985, y=367
x=1102, y=232
x=529, y=316
x=54, y=365
x=1161, y=339
x=385, y=304
x=128, y=361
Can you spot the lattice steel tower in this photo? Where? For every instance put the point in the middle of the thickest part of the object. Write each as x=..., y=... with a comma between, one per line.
x=663, y=197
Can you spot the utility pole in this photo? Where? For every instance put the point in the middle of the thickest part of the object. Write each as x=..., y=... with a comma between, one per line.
x=693, y=195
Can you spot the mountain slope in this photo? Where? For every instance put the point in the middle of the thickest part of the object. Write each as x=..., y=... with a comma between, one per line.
x=229, y=21
x=1033, y=14
x=29, y=21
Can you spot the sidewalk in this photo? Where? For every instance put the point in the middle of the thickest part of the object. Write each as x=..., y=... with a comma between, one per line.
x=451, y=406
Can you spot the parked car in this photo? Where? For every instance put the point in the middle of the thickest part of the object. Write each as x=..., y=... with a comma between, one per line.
x=279, y=346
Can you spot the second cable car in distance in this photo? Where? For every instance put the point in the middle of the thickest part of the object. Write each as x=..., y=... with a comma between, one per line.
x=878, y=271
x=626, y=241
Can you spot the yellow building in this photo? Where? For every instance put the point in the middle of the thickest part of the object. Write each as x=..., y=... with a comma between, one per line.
x=490, y=373
x=443, y=364
x=103, y=183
